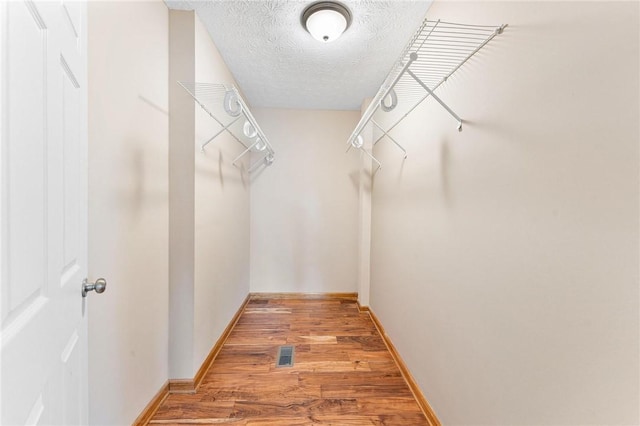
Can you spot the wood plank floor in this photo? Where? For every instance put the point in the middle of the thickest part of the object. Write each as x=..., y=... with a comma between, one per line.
x=343, y=373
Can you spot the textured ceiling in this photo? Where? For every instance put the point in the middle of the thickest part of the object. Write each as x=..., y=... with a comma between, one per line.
x=278, y=64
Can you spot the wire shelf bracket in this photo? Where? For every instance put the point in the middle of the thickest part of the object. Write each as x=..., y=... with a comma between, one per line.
x=434, y=53
x=224, y=104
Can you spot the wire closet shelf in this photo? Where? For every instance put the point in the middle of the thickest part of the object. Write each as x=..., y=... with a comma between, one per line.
x=436, y=51
x=223, y=103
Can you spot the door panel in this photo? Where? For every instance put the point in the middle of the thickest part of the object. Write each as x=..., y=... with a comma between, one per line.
x=71, y=110
x=26, y=169
x=43, y=213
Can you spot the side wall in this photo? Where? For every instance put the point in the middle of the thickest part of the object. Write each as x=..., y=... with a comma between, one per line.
x=221, y=214
x=304, y=208
x=128, y=206
x=209, y=225
x=505, y=258
x=181, y=195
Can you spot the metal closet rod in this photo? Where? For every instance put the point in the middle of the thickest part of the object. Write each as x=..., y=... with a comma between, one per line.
x=435, y=52
x=210, y=93
x=375, y=104
x=269, y=149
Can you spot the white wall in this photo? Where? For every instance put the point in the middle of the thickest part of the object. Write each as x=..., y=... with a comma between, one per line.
x=364, y=213
x=181, y=195
x=304, y=208
x=221, y=214
x=210, y=206
x=128, y=211
x=505, y=257
x=129, y=325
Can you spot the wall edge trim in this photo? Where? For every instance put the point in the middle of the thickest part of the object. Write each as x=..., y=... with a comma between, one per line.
x=150, y=409
x=189, y=385
x=428, y=412
x=215, y=351
x=182, y=386
x=306, y=296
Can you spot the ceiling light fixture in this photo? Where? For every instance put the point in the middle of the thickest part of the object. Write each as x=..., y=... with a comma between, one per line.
x=326, y=20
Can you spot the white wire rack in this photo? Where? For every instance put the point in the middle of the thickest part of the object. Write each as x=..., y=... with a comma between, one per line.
x=224, y=104
x=436, y=51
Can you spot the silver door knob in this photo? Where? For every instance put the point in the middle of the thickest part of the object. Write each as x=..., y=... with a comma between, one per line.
x=99, y=286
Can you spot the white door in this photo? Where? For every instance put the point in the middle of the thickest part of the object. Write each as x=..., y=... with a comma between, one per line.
x=43, y=212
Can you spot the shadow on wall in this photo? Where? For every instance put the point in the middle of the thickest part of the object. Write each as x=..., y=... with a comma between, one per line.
x=153, y=105
x=258, y=172
x=138, y=195
x=354, y=177
x=445, y=165
x=219, y=175
x=401, y=168
x=242, y=166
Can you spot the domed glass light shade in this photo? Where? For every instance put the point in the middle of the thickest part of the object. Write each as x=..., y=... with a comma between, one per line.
x=326, y=20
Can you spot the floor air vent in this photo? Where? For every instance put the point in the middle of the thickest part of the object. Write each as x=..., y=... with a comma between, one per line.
x=285, y=356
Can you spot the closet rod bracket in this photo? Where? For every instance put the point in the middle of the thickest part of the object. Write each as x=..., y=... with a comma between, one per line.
x=437, y=98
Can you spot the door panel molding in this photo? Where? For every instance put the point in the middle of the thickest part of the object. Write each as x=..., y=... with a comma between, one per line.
x=43, y=207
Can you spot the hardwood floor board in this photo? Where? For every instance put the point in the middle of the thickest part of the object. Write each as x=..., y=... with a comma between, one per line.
x=317, y=420
x=274, y=310
x=303, y=306
x=258, y=337
x=254, y=350
x=342, y=375
x=264, y=382
x=407, y=420
x=265, y=319
x=305, y=348
x=382, y=365
x=194, y=409
x=279, y=421
x=302, y=421
x=334, y=324
x=258, y=331
x=349, y=331
x=366, y=391
x=240, y=368
x=369, y=343
x=247, y=355
x=186, y=399
x=261, y=326
x=303, y=303
x=283, y=395
x=334, y=330
x=319, y=355
x=245, y=409
x=392, y=405
x=354, y=378
x=312, y=340
x=230, y=360
x=338, y=347
x=372, y=356
x=403, y=419
x=327, y=366
x=338, y=314
x=183, y=422
x=266, y=324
